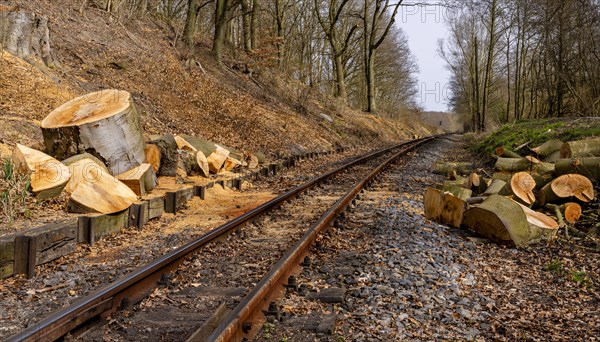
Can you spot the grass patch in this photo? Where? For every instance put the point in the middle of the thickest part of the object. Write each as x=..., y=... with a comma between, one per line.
x=536, y=132
x=555, y=266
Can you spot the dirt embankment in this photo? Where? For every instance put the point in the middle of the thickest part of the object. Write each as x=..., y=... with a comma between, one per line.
x=95, y=50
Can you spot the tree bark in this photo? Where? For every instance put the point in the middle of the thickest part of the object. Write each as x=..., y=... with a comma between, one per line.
x=220, y=29
x=104, y=124
x=589, y=167
x=581, y=148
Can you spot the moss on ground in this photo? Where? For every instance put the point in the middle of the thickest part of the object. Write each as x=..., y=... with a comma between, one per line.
x=536, y=132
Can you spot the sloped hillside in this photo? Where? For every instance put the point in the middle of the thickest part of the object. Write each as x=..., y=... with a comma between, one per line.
x=95, y=50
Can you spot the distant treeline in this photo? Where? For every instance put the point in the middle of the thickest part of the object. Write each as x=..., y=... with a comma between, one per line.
x=520, y=59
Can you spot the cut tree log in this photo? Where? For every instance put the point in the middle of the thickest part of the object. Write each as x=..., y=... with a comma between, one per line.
x=84, y=168
x=442, y=168
x=47, y=176
x=580, y=149
x=443, y=207
x=252, y=161
x=528, y=163
x=95, y=191
x=457, y=190
x=499, y=219
x=153, y=156
x=566, y=187
x=541, y=225
x=477, y=184
x=217, y=159
x=571, y=212
x=522, y=185
x=501, y=151
x=202, y=162
x=231, y=163
x=552, y=158
x=589, y=167
x=104, y=124
x=193, y=162
x=168, y=154
x=548, y=148
x=260, y=156
x=502, y=220
x=140, y=179
x=495, y=187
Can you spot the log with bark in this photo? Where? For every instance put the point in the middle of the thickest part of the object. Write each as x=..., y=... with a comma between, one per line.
x=104, y=124
x=216, y=155
x=565, y=188
x=541, y=225
x=521, y=185
x=140, y=179
x=476, y=183
x=495, y=187
x=548, y=148
x=167, y=146
x=217, y=159
x=501, y=151
x=443, y=207
x=498, y=219
x=457, y=189
x=503, y=220
x=580, y=149
x=47, y=176
x=442, y=168
x=571, y=212
x=589, y=167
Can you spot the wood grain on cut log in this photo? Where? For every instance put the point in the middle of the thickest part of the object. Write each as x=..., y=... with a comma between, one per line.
x=548, y=148
x=104, y=124
x=95, y=191
x=140, y=179
x=566, y=187
x=443, y=207
x=84, y=169
x=589, y=167
x=153, y=156
x=571, y=212
x=476, y=183
x=252, y=161
x=202, y=162
x=47, y=176
x=581, y=148
x=231, y=163
x=522, y=185
x=217, y=159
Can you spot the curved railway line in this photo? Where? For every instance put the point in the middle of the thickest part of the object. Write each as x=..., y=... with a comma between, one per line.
x=267, y=246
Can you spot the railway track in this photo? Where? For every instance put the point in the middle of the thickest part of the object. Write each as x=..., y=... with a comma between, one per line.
x=225, y=288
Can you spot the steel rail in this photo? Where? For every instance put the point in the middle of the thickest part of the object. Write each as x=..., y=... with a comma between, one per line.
x=232, y=327
x=134, y=286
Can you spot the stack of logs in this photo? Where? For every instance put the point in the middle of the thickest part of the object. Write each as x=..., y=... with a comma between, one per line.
x=106, y=163
x=526, y=200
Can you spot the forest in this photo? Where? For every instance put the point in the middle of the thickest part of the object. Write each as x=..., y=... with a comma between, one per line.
x=523, y=59
x=350, y=49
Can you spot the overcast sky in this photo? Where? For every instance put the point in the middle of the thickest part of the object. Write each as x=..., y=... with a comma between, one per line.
x=424, y=26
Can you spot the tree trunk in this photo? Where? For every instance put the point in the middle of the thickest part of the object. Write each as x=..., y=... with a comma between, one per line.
x=444, y=208
x=47, y=176
x=247, y=14
x=548, y=148
x=254, y=23
x=220, y=29
x=340, y=75
x=190, y=24
x=104, y=124
x=499, y=219
x=581, y=148
x=566, y=187
x=371, y=102
x=25, y=35
x=589, y=167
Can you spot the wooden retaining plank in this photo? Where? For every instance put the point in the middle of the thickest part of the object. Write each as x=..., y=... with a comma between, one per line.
x=138, y=214
x=52, y=241
x=175, y=199
x=102, y=225
x=200, y=191
x=7, y=255
x=21, y=262
x=156, y=207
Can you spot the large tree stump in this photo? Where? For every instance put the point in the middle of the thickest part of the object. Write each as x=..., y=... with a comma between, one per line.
x=104, y=124
x=581, y=148
x=25, y=35
x=566, y=187
x=47, y=176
